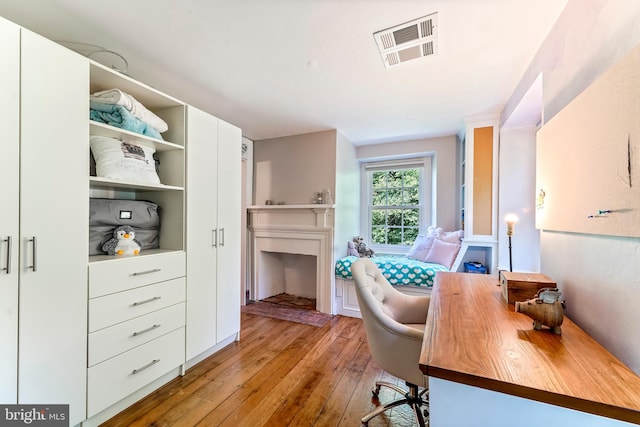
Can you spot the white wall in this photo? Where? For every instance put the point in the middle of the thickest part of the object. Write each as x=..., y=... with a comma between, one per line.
x=347, y=196
x=597, y=274
x=516, y=194
x=445, y=170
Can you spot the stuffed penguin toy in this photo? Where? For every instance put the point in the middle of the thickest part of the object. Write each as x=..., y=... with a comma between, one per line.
x=123, y=242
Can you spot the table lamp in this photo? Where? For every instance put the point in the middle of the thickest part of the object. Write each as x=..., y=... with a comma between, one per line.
x=511, y=220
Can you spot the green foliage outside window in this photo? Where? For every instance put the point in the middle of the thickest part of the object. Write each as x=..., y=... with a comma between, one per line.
x=395, y=206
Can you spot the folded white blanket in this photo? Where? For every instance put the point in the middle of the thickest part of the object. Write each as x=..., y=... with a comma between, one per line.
x=116, y=96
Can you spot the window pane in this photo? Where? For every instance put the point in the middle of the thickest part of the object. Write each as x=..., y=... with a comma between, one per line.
x=394, y=236
x=378, y=217
x=378, y=235
x=411, y=196
x=411, y=177
x=379, y=180
x=394, y=207
x=394, y=217
x=410, y=235
x=379, y=198
x=411, y=218
x=394, y=179
x=395, y=197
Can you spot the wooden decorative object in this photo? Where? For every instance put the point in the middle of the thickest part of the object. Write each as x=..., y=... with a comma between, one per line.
x=523, y=286
x=545, y=309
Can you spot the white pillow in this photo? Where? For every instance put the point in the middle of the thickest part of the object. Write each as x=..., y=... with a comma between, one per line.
x=124, y=161
x=451, y=236
x=420, y=247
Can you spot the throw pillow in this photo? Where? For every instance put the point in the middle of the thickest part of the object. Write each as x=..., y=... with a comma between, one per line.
x=451, y=236
x=124, y=161
x=420, y=248
x=443, y=253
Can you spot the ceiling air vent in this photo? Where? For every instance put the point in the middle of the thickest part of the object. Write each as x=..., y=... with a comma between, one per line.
x=412, y=40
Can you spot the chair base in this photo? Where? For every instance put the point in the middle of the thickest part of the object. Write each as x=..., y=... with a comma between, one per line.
x=414, y=398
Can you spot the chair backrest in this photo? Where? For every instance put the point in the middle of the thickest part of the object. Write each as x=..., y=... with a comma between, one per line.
x=387, y=315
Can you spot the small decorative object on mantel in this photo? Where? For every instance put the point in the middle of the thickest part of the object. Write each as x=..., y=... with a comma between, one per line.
x=317, y=198
x=545, y=309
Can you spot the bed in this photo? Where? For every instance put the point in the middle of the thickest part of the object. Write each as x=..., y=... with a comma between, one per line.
x=412, y=273
x=398, y=270
x=408, y=275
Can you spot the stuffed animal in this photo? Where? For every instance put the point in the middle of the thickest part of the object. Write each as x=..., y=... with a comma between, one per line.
x=123, y=242
x=361, y=247
x=351, y=248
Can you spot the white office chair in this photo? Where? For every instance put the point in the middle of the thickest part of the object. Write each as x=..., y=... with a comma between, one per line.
x=394, y=324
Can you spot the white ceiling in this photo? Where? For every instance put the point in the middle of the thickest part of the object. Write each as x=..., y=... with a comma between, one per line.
x=285, y=67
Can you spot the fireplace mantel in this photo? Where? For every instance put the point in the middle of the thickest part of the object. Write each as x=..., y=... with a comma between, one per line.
x=294, y=229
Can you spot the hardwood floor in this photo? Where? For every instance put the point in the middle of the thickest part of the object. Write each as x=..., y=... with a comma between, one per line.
x=279, y=374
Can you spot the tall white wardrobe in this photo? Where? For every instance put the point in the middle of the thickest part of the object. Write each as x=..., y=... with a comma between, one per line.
x=43, y=222
x=213, y=231
x=68, y=334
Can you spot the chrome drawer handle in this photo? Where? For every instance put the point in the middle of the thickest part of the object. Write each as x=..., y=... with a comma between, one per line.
x=8, y=267
x=150, y=328
x=214, y=238
x=140, y=273
x=145, y=301
x=153, y=362
x=222, y=236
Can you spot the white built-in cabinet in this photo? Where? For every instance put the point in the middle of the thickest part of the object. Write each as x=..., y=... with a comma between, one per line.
x=479, y=192
x=213, y=231
x=136, y=305
x=99, y=332
x=44, y=217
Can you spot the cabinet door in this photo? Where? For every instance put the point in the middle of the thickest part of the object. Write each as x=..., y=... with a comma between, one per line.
x=229, y=203
x=9, y=146
x=202, y=230
x=54, y=209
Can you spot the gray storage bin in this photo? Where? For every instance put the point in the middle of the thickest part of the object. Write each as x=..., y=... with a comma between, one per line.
x=107, y=214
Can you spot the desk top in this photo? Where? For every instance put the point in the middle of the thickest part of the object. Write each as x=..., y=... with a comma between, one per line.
x=474, y=337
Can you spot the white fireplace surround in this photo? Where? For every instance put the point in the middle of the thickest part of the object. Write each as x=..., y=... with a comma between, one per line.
x=294, y=229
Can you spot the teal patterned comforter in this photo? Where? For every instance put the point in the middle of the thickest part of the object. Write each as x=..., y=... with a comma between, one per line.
x=397, y=270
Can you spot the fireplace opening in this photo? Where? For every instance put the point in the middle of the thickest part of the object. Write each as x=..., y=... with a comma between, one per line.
x=285, y=276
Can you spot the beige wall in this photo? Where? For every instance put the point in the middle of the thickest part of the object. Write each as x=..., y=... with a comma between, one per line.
x=290, y=169
x=445, y=171
x=599, y=275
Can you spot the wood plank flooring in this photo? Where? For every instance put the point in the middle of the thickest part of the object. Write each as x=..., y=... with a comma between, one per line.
x=279, y=374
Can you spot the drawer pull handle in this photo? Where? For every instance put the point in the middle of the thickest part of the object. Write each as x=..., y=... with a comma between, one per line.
x=140, y=273
x=153, y=362
x=150, y=328
x=8, y=267
x=146, y=301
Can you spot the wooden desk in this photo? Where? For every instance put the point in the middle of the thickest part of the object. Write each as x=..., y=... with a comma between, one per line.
x=474, y=337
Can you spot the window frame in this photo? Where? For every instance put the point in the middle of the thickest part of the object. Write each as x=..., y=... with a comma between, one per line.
x=426, y=193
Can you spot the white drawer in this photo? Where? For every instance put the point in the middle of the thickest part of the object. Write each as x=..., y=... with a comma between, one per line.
x=121, y=274
x=116, y=378
x=111, y=309
x=109, y=342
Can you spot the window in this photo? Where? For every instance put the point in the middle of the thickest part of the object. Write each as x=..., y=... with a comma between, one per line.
x=397, y=201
